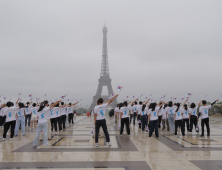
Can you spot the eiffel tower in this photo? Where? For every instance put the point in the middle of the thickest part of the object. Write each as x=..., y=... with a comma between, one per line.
x=104, y=79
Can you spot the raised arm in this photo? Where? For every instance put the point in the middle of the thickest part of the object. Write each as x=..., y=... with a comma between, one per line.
x=161, y=104
x=17, y=101
x=185, y=102
x=214, y=102
x=199, y=103
x=74, y=104
x=134, y=101
x=54, y=104
x=147, y=101
x=111, y=100
x=29, y=104
x=129, y=102
x=3, y=105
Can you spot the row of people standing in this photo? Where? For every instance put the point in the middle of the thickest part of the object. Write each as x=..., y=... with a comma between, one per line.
x=173, y=115
x=14, y=116
x=177, y=115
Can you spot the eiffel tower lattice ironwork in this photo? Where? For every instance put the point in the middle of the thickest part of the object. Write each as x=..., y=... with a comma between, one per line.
x=104, y=79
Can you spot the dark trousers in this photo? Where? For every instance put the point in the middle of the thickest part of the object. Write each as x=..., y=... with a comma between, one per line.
x=186, y=121
x=139, y=118
x=6, y=128
x=59, y=122
x=51, y=124
x=134, y=118
x=164, y=124
x=54, y=123
x=131, y=116
x=154, y=125
x=70, y=115
x=177, y=124
x=103, y=124
x=159, y=121
x=193, y=120
x=168, y=126
x=26, y=118
x=125, y=121
x=144, y=121
x=206, y=122
x=63, y=121
x=1, y=120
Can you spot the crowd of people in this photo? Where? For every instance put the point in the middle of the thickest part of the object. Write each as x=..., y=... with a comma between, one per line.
x=151, y=117
x=172, y=115
x=50, y=118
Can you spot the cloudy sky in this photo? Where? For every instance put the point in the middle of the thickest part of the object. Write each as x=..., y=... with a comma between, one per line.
x=158, y=47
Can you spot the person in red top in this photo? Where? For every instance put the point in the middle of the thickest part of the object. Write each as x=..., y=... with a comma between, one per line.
x=88, y=114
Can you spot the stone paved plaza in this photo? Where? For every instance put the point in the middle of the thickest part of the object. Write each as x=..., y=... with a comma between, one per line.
x=74, y=149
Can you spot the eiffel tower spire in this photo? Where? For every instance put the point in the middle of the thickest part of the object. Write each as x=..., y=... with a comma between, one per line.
x=105, y=65
x=104, y=79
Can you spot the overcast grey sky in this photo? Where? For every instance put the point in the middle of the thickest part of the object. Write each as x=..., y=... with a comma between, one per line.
x=158, y=47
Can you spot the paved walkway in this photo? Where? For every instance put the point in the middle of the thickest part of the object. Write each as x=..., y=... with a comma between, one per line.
x=74, y=149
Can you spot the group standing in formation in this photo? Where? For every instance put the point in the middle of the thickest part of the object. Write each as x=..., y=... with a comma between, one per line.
x=53, y=117
x=49, y=117
x=150, y=115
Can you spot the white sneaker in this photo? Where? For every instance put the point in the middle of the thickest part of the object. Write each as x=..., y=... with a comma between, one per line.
x=3, y=138
x=110, y=144
x=46, y=145
x=11, y=138
x=96, y=144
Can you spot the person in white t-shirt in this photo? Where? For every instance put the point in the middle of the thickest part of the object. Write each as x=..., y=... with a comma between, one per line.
x=160, y=113
x=186, y=117
x=99, y=118
x=62, y=111
x=55, y=115
x=205, y=116
x=178, y=118
x=34, y=116
x=119, y=116
x=153, y=118
x=131, y=113
x=10, y=121
x=124, y=116
x=28, y=114
x=43, y=115
x=70, y=112
x=116, y=111
x=143, y=115
x=164, y=118
x=170, y=116
x=20, y=119
x=193, y=115
x=135, y=113
x=1, y=117
x=3, y=107
x=144, y=118
x=138, y=113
